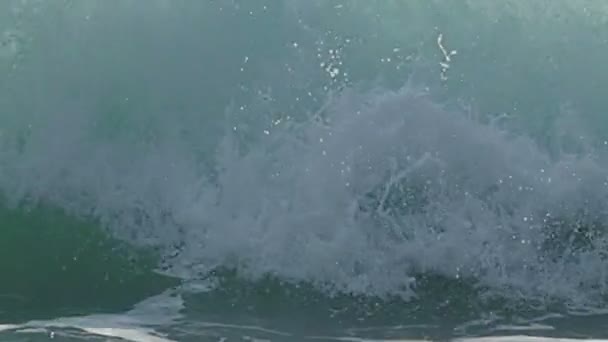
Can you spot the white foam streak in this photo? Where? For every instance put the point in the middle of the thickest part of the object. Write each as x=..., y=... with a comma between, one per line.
x=136, y=325
x=523, y=338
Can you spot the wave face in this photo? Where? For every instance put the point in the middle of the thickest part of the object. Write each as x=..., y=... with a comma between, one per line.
x=357, y=148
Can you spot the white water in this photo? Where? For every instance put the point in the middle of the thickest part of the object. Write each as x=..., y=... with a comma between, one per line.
x=483, y=201
x=327, y=203
x=136, y=325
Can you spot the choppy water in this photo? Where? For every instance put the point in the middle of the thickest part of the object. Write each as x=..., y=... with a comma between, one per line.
x=303, y=170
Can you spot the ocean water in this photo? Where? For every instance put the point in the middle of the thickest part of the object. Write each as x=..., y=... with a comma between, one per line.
x=320, y=170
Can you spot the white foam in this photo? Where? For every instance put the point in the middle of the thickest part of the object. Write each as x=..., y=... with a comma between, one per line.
x=4, y=327
x=524, y=338
x=515, y=338
x=137, y=325
x=291, y=199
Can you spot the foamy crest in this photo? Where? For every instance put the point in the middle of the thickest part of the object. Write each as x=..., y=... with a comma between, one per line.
x=393, y=186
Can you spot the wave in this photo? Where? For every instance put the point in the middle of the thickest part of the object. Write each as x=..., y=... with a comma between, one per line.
x=380, y=187
x=367, y=196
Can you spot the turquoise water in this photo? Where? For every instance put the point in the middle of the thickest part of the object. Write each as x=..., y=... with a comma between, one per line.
x=303, y=170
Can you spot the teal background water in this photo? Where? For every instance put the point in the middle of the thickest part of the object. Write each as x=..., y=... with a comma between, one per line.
x=192, y=139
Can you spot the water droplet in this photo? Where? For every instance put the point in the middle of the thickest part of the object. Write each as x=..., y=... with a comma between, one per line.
x=333, y=73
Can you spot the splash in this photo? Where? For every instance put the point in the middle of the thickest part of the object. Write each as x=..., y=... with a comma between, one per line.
x=395, y=186
x=388, y=186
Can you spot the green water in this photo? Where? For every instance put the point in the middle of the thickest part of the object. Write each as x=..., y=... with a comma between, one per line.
x=54, y=265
